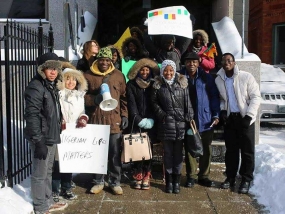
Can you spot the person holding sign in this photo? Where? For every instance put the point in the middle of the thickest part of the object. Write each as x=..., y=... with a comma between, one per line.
x=71, y=96
x=173, y=110
x=140, y=112
x=103, y=71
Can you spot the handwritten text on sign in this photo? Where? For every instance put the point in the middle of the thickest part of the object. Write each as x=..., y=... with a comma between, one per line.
x=170, y=20
x=84, y=150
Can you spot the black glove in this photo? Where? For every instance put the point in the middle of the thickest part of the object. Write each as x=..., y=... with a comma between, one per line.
x=41, y=150
x=124, y=123
x=223, y=117
x=246, y=121
x=98, y=99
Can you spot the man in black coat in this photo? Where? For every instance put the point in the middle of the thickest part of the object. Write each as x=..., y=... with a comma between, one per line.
x=43, y=127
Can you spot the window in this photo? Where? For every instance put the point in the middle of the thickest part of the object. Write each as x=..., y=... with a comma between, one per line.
x=279, y=44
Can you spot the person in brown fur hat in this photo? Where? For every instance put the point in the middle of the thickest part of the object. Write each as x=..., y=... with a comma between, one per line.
x=138, y=95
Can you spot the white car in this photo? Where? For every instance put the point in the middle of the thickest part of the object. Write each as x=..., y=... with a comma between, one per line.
x=272, y=88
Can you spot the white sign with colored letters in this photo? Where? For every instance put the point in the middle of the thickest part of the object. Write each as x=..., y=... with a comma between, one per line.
x=84, y=150
x=170, y=20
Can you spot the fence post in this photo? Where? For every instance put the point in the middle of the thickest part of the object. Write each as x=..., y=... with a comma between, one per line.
x=50, y=39
x=40, y=39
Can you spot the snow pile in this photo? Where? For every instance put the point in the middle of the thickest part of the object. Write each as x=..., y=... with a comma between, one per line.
x=269, y=178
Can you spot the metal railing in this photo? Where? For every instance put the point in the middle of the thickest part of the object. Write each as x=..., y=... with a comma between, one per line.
x=20, y=46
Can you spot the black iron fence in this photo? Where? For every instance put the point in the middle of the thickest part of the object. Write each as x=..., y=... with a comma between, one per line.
x=20, y=46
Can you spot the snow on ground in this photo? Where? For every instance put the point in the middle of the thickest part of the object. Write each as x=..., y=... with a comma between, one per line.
x=268, y=186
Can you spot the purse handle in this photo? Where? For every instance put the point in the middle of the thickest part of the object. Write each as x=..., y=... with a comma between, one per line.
x=133, y=127
x=194, y=127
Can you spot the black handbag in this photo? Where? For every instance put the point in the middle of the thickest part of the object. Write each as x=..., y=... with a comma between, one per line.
x=193, y=142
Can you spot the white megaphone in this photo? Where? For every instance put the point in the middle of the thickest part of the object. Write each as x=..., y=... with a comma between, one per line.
x=108, y=103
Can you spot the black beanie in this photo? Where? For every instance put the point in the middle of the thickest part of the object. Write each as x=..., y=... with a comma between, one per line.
x=47, y=56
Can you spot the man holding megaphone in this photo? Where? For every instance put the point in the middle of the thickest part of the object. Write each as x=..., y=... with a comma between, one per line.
x=106, y=104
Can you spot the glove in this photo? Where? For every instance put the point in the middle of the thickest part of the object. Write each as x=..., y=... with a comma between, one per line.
x=149, y=123
x=223, y=117
x=189, y=132
x=41, y=150
x=142, y=123
x=82, y=121
x=246, y=121
x=98, y=99
x=124, y=123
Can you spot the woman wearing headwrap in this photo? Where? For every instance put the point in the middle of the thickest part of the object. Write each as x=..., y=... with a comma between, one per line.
x=140, y=113
x=199, y=46
x=173, y=110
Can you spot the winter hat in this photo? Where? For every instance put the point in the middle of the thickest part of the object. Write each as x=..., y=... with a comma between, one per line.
x=104, y=53
x=47, y=56
x=166, y=63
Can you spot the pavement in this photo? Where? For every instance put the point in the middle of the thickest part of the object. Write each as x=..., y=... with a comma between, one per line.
x=194, y=200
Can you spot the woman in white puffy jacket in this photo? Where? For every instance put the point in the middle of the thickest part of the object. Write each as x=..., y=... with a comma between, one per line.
x=71, y=96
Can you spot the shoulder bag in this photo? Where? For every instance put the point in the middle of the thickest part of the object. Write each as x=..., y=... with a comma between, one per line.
x=193, y=142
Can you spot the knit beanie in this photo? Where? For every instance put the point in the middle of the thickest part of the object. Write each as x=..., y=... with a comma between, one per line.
x=47, y=56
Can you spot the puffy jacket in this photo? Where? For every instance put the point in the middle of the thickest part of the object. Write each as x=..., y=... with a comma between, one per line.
x=42, y=112
x=246, y=91
x=172, y=117
x=207, y=102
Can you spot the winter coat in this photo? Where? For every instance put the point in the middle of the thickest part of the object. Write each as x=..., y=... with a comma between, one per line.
x=139, y=104
x=42, y=111
x=160, y=55
x=117, y=85
x=72, y=101
x=207, y=102
x=172, y=117
x=246, y=91
x=84, y=65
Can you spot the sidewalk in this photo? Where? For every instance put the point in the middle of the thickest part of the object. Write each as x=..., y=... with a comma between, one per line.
x=191, y=200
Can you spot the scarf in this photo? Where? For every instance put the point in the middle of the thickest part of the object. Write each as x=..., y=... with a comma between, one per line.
x=142, y=83
x=94, y=68
x=196, y=50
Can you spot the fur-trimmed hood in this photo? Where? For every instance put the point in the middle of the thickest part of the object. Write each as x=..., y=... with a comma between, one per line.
x=179, y=79
x=136, y=43
x=78, y=75
x=50, y=64
x=203, y=34
x=138, y=31
x=67, y=65
x=118, y=50
x=145, y=62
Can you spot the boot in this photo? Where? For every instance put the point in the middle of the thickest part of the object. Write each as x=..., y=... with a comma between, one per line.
x=176, y=183
x=138, y=176
x=146, y=181
x=168, y=181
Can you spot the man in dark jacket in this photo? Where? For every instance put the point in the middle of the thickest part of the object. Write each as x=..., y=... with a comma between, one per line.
x=43, y=127
x=204, y=97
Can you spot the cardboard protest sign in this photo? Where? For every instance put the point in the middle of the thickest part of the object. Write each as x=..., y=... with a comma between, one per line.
x=84, y=150
x=170, y=20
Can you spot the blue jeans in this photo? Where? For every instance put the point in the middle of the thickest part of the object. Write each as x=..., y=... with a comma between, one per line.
x=41, y=188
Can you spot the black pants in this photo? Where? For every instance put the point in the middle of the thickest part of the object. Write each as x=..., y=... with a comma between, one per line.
x=114, y=162
x=238, y=141
x=173, y=156
x=60, y=179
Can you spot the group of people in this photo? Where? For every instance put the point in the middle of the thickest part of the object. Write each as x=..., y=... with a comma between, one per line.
x=159, y=100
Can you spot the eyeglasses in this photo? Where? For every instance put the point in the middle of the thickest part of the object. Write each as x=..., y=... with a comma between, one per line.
x=227, y=61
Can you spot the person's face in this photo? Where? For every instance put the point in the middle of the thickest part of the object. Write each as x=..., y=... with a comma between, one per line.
x=94, y=48
x=70, y=83
x=144, y=72
x=104, y=64
x=132, y=48
x=168, y=72
x=198, y=42
x=135, y=35
x=228, y=63
x=114, y=57
x=191, y=66
x=51, y=74
x=168, y=44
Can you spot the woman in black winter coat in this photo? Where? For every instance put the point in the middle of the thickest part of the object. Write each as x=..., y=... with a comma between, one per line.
x=140, y=114
x=173, y=110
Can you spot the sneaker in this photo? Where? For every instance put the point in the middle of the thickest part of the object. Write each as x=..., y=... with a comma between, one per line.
x=55, y=197
x=58, y=206
x=117, y=190
x=138, y=180
x=97, y=188
x=146, y=181
x=69, y=195
x=73, y=185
